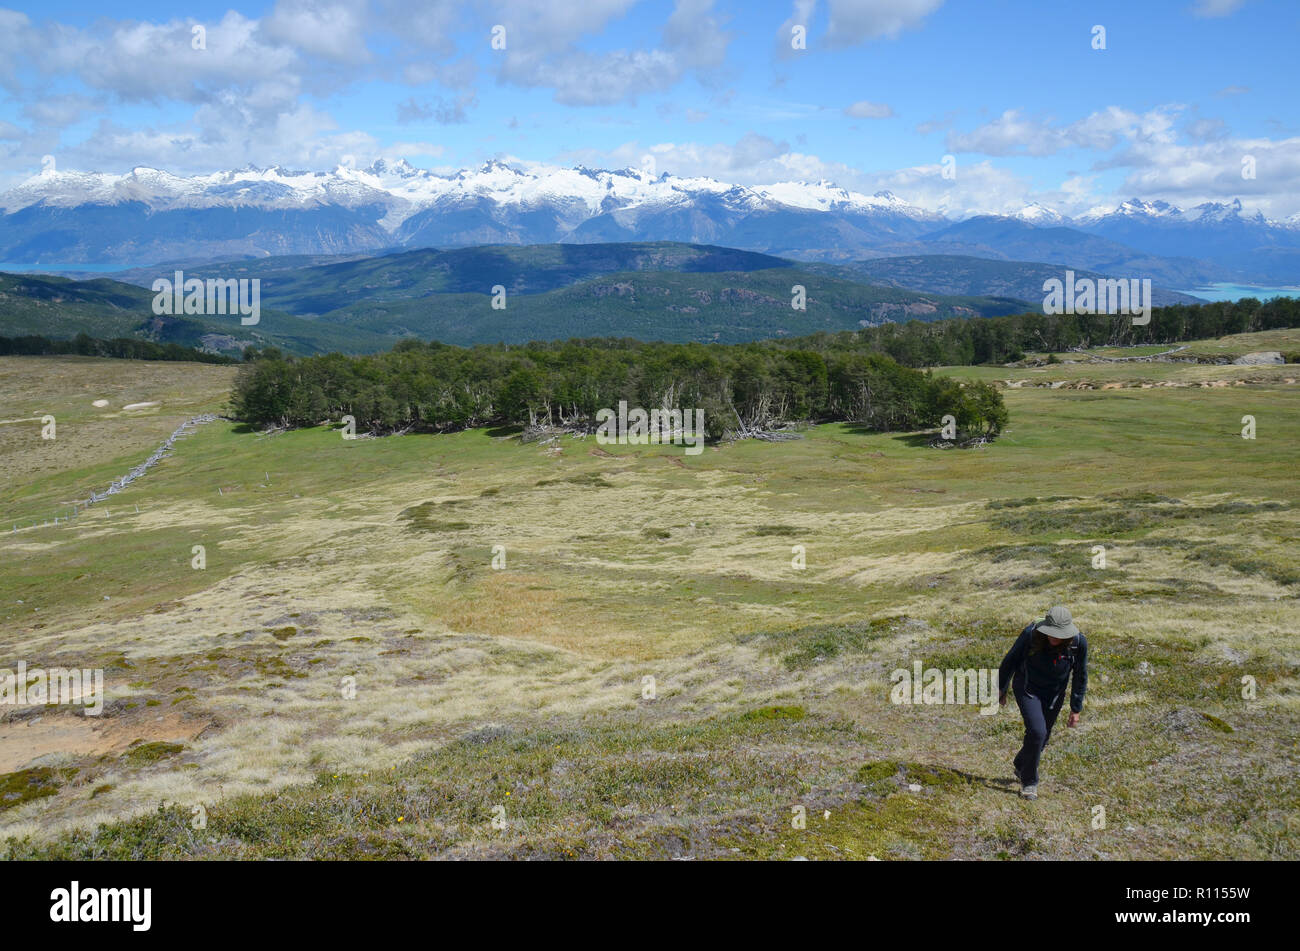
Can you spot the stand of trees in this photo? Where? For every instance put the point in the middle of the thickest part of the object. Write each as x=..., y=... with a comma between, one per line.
x=741, y=388
x=973, y=341
x=124, y=348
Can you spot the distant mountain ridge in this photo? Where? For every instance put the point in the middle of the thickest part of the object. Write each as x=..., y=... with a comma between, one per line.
x=647, y=290
x=959, y=274
x=65, y=220
x=61, y=219
x=59, y=308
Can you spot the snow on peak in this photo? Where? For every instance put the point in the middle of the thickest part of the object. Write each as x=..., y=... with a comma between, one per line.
x=402, y=190
x=1217, y=211
x=827, y=196
x=1135, y=207
x=406, y=189
x=1037, y=214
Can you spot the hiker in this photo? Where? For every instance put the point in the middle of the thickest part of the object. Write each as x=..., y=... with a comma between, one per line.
x=1048, y=656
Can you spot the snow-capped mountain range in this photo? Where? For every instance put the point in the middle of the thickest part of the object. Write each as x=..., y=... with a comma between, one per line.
x=407, y=190
x=67, y=219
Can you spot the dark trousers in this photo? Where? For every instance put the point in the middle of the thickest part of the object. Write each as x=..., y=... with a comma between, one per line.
x=1039, y=713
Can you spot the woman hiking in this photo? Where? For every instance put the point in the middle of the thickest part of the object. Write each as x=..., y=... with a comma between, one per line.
x=1048, y=656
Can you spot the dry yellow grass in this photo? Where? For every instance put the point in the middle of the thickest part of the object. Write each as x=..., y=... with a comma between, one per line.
x=595, y=596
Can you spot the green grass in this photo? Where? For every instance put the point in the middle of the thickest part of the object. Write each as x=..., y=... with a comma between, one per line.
x=142, y=754
x=824, y=642
x=27, y=785
x=373, y=559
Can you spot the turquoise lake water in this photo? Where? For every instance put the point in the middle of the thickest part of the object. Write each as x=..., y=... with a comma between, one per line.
x=1238, y=291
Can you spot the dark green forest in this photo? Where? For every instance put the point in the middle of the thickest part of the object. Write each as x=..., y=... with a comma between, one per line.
x=743, y=387
x=975, y=341
x=122, y=348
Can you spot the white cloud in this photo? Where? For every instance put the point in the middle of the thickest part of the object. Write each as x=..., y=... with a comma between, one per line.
x=694, y=32
x=858, y=21
x=800, y=16
x=1013, y=133
x=1216, y=8
x=579, y=78
x=151, y=62
x=332, y=30
x=252, y=80
x=1009, y=134
x=937, y=125
x=542, y=50
x=868, y=110
x=552, y=27
x=1206, y=130
x=976, y=188
x=1211, y=171
x=222, y=134
x=247, y=82
x=421, y=27
x=16, y=38
x=410, y=150
x=457, y=74
x=61, y=110
x=853, y=22
x=444, y=111
x=1204, y=164
x=752, y=158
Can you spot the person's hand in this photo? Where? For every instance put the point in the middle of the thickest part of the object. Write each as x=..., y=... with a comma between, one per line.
x=1074, y=719
x=1002, y=698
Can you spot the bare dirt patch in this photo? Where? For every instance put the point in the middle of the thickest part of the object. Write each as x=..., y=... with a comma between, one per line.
x=24, y=742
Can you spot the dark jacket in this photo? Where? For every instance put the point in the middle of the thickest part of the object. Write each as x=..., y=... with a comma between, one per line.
x=1047, y=672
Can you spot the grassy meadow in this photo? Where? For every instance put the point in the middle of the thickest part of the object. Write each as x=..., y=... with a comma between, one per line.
x=647, y=674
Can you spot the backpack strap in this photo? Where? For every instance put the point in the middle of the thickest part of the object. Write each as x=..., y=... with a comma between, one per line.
x=1072, y=651
x=1024, y=661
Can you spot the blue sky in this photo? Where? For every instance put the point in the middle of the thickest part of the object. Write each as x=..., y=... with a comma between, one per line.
x=1014, y=91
